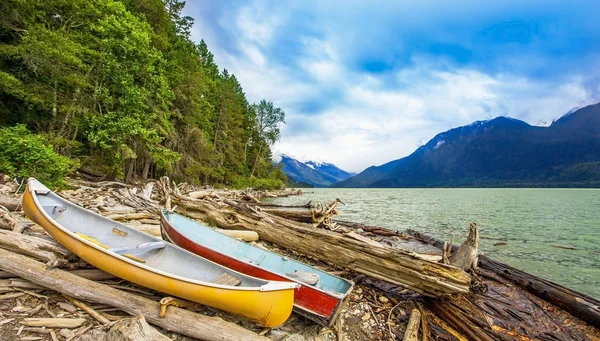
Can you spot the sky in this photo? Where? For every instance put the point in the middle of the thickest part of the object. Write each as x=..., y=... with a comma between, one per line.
x=366, y=82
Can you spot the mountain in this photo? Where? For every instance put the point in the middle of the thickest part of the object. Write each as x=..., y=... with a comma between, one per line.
x=500, y=152
x=318, y=174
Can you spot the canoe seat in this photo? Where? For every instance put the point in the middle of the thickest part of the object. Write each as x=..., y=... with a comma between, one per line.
x=141, y=248
x=304, y=277
x=226, y=279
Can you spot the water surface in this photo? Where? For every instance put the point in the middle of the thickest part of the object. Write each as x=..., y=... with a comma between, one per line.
x=530, y=221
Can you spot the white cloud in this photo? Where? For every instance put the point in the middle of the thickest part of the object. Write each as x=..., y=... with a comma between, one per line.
x=373, y=118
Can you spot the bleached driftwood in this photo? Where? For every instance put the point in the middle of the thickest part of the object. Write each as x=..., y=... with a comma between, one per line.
x=46, y=250
x=53, y=322
x=466, y=256
x=11, y=203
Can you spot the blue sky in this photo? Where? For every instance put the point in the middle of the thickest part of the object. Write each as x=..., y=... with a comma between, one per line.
x=366, y=82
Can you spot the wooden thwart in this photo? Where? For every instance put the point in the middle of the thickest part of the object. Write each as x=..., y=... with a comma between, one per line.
x=226, y=279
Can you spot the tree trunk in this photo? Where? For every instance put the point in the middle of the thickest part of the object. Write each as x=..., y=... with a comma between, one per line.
x=256, y=160
x=146, y=169
x=176, y=320
x=129, y=174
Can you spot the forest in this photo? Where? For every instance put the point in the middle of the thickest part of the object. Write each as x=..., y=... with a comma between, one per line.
x=119, y=89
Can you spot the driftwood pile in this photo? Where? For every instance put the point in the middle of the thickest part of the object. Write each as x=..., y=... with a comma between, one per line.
x=47, y=293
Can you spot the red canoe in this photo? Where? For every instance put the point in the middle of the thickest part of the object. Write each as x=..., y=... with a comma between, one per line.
x=320, y=295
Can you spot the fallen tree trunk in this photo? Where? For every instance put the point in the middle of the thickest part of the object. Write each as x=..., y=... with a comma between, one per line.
x=46, y=250
x=398, y=267
x=177, y=320
x=302, y=216
x=11, y=203
x=92, y=274
x=580, y=305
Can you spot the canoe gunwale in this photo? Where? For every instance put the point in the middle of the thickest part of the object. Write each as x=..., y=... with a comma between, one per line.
x=34, y=186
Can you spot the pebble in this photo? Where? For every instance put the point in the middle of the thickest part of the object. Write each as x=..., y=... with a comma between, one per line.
x=277, y=334
x=66, y=333
x=366, y=317
x=295, y=337
x=383, y=299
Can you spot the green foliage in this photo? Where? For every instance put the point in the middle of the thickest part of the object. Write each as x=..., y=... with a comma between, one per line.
x=27, y=155
x=588, y=171
x=120, y=85
x=245, y=182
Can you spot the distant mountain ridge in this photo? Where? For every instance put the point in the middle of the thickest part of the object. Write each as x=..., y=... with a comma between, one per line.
x=318, y=174
x=500, y=152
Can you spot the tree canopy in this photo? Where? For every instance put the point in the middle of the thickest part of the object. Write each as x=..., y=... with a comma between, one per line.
x=120, y=87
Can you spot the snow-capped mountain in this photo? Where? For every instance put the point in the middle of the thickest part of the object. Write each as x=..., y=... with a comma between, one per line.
x=318, y=174
x=500, y=152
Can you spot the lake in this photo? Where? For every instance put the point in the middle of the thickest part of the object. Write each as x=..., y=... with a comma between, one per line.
x=530, y=221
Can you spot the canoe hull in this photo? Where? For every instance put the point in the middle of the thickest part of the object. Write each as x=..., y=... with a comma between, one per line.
x=269, y=308
x=317, y=305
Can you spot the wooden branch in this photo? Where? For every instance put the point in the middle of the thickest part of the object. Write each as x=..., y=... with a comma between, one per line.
x=412, y=328
x=53, y=322
x=130, y=216
x=92, y=274
x=87, y=309
x=178, y=320
x=395, y=266
x=424, y=325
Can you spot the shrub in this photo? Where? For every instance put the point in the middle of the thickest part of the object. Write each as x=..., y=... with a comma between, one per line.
x=24, y=154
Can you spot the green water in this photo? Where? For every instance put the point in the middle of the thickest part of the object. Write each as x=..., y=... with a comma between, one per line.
x=529, y=220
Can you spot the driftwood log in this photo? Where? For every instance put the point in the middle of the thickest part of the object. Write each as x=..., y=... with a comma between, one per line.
x=177, y=320
x=7, y=221
x=401, y=268
x=11, y=203
x=43, y=249
x=466, y=255
x=580, y=305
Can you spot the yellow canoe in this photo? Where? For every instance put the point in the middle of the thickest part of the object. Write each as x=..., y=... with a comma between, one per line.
x=150, y=262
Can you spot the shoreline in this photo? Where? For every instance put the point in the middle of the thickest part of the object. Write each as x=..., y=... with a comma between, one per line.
x=376, y=310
